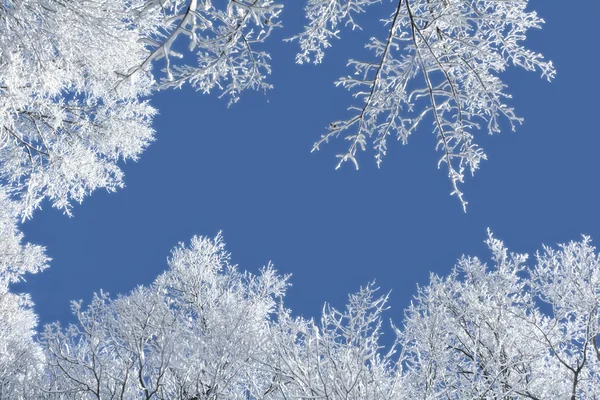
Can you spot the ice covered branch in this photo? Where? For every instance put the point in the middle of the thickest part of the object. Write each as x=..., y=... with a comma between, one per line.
x=440, y=63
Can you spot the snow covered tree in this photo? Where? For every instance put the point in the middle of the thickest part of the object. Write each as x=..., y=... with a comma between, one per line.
x=204, y=330
x=198, y=332
x=223, y=36
x=16, y=258
x=440, y=63
x=340, y=358
x=73, y=77
x=567, y=282
x=468, y=335
x=63, y=126
x=21, y=358
x=507, y=331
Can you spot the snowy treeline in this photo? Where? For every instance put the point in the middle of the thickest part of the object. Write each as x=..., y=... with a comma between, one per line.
x=206, y=330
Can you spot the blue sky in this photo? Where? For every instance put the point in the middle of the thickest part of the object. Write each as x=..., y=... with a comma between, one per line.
x=247, y=170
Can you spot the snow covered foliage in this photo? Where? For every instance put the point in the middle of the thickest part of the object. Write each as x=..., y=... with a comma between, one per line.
x=469, y=334
x=63, y=126
x=567, y=281
x=205, y=330
x=16, y=258
x=223, y=36
x=20, y=355
x=73, y=77
x=507, y=331
x=338, y=358
x=199, y=331
x=440, y=63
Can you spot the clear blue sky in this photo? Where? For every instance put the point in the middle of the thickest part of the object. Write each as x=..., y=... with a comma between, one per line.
x=248, y=170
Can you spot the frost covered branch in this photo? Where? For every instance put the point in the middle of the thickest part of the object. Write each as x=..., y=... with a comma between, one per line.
x=441, y=63
x=223, y=40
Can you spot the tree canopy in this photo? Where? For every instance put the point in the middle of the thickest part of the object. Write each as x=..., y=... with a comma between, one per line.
x=206, y=330
x=75, y=84
x=75, y=79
